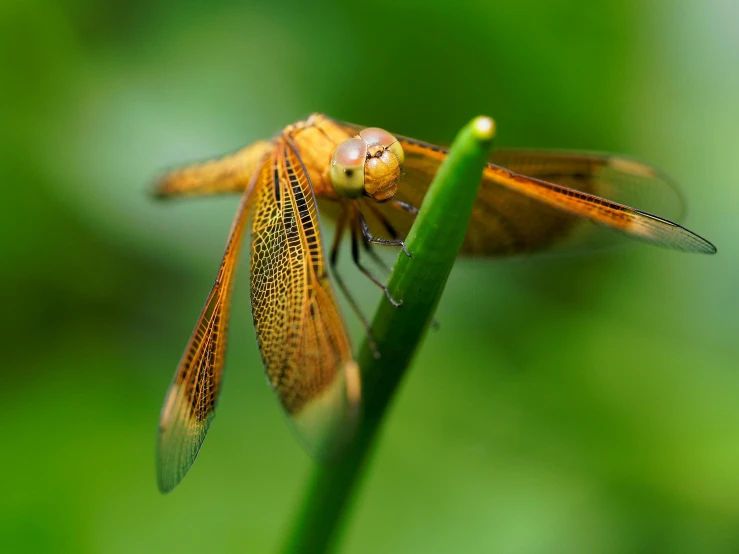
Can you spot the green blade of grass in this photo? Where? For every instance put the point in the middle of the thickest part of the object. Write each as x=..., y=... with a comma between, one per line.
x=433, y=241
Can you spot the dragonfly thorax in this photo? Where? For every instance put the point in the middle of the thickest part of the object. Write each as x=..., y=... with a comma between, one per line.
x=368, y=164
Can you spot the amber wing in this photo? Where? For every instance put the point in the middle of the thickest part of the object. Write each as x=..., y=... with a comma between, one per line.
x=229, y=174
x=190, y=403
x=301, y=335
x=534, y=201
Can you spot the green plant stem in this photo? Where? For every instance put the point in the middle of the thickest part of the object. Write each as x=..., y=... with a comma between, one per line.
x=433, y=241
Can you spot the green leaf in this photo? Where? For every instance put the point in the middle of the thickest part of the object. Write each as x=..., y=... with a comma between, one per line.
x=433, y=242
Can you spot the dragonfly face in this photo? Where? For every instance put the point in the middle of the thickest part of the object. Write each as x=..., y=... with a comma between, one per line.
x=370, y=163
x=529, y=202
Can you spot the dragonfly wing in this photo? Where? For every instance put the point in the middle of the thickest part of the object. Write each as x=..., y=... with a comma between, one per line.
x=229, y=174
x=554, y=204
x=191, y=400
x=617, y=178
x=633, y=222
x=301, y=335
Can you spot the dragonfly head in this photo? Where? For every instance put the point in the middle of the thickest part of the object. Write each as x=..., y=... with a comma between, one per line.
x=370, y=163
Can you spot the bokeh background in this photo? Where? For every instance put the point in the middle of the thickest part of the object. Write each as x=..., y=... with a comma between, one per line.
x=581, y=404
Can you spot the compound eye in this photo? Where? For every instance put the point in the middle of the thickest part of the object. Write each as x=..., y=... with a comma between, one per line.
x=375, y=136
x=347, y=168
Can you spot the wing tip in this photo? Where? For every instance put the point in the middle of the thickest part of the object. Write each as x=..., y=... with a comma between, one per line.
x=179, y=439
x=176, y=454
x=684, y=240
x=707, y=246
x=327, y=424
x=165, y=186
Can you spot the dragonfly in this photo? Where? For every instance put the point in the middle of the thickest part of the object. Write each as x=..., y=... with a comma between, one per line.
x=372, y=183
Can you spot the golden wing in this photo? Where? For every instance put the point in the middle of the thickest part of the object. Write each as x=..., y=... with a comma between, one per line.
x=301, y=335
x=228, y=174
x=541, y=201
x=617, y=178
x=190, y=403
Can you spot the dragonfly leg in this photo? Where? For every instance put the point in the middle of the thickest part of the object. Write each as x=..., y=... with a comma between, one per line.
x=367, y=234
x=358, y=263
x=405, y=206
x=410, y=208
x=372, y=254
x=333, y=259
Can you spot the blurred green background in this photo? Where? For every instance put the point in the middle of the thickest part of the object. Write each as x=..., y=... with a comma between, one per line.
x=583, y=404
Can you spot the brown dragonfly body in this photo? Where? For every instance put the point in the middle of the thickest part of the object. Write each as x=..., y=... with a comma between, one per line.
x=529, y=202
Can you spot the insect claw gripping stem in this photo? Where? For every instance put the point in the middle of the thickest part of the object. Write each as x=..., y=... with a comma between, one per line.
x=405, y=250
x=396, y=303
